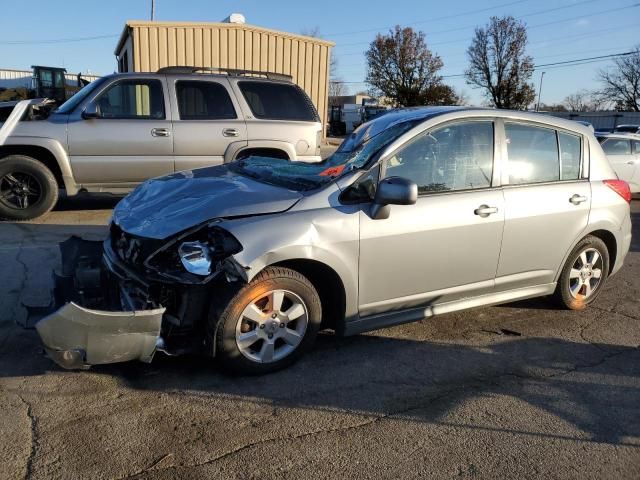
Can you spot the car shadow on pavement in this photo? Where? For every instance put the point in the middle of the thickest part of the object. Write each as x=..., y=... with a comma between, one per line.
x=590, y=386
x=87, y=201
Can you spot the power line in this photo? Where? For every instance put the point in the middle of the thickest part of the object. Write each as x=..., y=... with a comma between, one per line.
x=436, y=19
x=56, y=40
x=461, y=40
x=565, y=63
x=539, y=12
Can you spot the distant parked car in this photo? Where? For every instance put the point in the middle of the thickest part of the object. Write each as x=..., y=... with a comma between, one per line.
x=125, y=128
x=627, y=129
x=420, y=212
x=623, y=152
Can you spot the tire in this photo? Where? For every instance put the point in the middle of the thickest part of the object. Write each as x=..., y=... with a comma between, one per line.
x=577, y=289
x=228, y=321
x=25, y=181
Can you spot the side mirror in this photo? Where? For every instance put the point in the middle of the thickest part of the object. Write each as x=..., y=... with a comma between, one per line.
x=393, y=191
x=92, y=110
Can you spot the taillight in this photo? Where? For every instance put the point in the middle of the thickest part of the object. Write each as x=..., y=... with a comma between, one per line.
x=620, y=187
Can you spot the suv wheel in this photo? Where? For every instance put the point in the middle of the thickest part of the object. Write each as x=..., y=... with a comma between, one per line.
x=267, y=324
x=584, y=274
x=28, y=189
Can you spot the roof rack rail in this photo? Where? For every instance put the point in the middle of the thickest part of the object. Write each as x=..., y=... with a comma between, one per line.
x=228, y=71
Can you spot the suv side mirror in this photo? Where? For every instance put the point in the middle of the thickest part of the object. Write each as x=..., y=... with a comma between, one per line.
x=92, y=110
x=393, y=191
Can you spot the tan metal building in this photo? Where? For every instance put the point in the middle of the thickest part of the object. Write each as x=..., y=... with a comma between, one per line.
x=148, y=46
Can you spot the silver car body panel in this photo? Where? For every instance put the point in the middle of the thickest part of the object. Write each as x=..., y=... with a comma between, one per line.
x=76, y=337
x=627, y=167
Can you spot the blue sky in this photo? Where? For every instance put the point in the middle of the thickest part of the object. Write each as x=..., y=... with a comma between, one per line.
x=558, y=30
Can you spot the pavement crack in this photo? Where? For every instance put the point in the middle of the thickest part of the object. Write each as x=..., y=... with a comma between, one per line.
x=33, y=421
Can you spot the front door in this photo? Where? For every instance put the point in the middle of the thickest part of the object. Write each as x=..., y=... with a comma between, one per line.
x=446, y=246
x=547, y=204
x=129, y=141
x=207, y=123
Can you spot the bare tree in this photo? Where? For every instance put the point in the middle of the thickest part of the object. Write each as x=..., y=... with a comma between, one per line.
x=583, y=101
x=621, y=83
x=499, y=64
x=401, y=68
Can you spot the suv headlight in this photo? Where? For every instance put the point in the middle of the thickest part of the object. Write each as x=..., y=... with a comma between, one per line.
x=194, y=256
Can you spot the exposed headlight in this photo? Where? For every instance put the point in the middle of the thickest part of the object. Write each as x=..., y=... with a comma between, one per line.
x=196, y=258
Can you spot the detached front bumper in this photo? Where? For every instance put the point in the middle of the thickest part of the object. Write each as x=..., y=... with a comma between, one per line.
x=76, y=337
x=96, y=332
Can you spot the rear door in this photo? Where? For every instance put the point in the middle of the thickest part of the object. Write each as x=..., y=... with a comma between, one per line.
x=621, y=157
x=547, y=202
x=130, y=140
x=207, y=121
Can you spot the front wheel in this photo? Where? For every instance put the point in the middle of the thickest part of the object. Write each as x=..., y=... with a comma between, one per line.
x=267, y=324
x=584, y=274
x=28, y=189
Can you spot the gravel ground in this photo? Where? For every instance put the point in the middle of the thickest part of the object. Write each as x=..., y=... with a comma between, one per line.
x=517, y=391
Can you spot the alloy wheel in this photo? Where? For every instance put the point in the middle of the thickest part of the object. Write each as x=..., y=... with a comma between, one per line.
x=586, y=274
x=19, y=190
x=272, y=326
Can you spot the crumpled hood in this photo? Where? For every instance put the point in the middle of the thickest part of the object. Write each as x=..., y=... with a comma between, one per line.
x=164, y=206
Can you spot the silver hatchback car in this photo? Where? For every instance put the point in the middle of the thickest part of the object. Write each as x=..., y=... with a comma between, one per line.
x=420, y=212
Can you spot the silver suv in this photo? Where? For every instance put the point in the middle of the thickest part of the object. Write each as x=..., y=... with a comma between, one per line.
x=123, y=129
x=420, y=212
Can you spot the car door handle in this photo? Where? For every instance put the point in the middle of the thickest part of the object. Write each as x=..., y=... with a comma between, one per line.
x=631, y=162
x=160, y=132
x=485, y=210
x=230, y=132
x=578, y=199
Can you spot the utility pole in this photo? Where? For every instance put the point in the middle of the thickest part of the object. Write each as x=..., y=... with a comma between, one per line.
x=153, y=10
x=540, y=92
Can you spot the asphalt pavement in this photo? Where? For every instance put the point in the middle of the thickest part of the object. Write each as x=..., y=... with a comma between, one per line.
x=517, y=391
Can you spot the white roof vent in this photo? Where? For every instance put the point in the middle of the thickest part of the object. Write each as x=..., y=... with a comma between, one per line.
x=234, y=18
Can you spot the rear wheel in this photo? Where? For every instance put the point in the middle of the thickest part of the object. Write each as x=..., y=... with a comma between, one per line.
x=28, y=189
x=267, y=324
x=584, y=274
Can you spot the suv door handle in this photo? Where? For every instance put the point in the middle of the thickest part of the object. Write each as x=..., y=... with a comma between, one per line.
x=631, y=162
x=578, y=199
x=485, y=210
x=230, y=132
x=160, y=132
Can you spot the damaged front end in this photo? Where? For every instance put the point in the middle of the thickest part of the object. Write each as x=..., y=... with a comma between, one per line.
x=127, y=297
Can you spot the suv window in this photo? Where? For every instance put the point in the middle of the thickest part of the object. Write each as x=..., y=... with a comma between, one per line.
x=278, y=101
x=454, y=157
x=532, y=154
x=199, y=100
x=132, y=99
x=616, y=146
x=636, y=146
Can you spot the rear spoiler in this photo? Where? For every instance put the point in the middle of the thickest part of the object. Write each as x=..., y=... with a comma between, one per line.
x=18, y=114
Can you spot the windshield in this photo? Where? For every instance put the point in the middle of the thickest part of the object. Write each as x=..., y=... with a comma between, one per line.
x=354, y=153
x=73, y=102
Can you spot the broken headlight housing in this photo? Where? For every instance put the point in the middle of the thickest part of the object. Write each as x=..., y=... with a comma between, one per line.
x=195, y=256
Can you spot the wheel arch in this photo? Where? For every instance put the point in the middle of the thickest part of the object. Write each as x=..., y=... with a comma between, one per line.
x=327, y=283
x=603, y=234
x=46, y=151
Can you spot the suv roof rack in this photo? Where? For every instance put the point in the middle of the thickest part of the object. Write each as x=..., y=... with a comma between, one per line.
x=225, y=71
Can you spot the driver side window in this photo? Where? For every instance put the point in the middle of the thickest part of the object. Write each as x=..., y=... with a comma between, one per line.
x=455, y=157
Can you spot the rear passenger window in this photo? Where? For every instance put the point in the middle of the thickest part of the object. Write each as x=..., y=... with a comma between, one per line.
x=570, y=155
x=532, y=154
x=278, y=101
x=204, y=101
x=636, y=146
x=617, y=146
